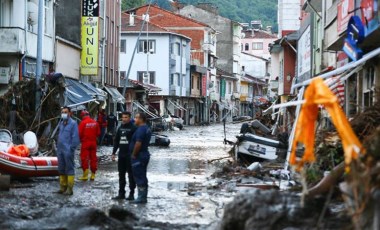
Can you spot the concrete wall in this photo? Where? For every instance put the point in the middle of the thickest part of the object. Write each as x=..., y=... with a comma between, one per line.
x=254, y=66
x=289, y=12
x=264, y=53
x=67, y=60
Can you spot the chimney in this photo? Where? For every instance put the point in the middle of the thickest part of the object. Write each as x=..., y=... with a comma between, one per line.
x=269, y=29
x=145, y=17
x=131, y=19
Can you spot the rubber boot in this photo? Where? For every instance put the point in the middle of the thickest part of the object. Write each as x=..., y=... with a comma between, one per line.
x=131, y=196
x=92, y=176
x=85, y=175
x=62, y=184
x=70, y=185
x=141, y=196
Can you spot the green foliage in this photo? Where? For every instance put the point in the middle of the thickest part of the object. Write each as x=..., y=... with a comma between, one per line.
x=237, y=10
x=246, y=10
x=128, y=4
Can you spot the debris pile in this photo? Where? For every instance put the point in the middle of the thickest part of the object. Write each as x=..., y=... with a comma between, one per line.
x=19, y=113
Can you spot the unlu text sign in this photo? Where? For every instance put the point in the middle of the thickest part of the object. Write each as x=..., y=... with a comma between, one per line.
x=90, y=37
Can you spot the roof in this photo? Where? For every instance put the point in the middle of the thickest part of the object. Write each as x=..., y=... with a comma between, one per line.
x=170, y=12
x=148, y=87
x=152, y=27
x=255, y=80
x=255, y=56
x=262, y=34
x=125, y=27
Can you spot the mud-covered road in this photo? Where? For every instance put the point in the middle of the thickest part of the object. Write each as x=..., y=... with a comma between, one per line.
x=181, y=196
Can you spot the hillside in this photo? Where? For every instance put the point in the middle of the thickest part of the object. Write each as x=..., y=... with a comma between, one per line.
x=237, y=10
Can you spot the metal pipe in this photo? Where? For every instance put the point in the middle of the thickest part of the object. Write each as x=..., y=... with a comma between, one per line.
x=39, y=53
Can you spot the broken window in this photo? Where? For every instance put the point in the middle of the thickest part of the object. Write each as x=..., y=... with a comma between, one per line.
x=147, y=77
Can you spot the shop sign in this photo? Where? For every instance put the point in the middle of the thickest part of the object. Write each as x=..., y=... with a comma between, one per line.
x=355, y=36
x=90, y=37
x=345, y=11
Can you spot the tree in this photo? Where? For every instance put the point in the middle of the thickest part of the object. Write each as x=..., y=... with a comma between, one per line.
x=128, y=4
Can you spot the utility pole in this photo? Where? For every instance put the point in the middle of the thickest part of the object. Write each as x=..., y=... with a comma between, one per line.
x=39, y=52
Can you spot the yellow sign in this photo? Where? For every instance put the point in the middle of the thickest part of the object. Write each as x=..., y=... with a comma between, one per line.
x=90, y=46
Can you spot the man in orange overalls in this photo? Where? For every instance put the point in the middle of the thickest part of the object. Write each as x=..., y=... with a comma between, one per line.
x=89, y=131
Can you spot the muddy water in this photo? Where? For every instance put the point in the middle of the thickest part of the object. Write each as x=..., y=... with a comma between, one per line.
x=178, y=184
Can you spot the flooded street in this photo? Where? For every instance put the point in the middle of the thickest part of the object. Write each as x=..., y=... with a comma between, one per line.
x=180, y=192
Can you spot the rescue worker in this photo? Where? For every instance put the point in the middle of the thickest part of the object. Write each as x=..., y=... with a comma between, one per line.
x=141, y=156
x=102, y=121
x=68, y=141
x=89, y=131
x=111, y=125
x=122, y=139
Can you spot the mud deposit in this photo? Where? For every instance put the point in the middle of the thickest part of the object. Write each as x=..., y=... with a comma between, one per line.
x=180, y=195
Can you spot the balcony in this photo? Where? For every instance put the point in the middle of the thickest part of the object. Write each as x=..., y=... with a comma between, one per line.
x=11, y=40
x=273, y=85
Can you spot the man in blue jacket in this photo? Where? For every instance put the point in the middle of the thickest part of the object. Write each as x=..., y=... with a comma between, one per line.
x=68, y=141
x=140, y=156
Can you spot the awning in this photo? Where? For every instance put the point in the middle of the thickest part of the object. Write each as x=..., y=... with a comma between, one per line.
x=115, y=94
x=148, y=87
x=337, y=87
x=75, y=94
x=96, y=92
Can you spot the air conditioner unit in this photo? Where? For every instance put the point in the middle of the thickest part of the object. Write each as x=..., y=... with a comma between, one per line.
x=5, y=75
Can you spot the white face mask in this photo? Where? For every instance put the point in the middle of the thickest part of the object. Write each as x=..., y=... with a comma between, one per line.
x=64, y=116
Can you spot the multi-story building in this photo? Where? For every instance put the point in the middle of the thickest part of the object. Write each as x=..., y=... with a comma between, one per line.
x=228, y=51
x=203, y=53
x=284, y=50
x=161, y=62
x=361, y=82
x=18, y=46
x=257, y=41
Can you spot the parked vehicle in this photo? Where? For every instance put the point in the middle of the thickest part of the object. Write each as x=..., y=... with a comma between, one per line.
x=158, y=124
x=159, y=140
x=174, y=121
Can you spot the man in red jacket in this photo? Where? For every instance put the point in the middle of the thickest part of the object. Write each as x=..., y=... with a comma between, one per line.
x=89, y=131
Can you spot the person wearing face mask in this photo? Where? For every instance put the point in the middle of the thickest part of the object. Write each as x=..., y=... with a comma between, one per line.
x=68, y=141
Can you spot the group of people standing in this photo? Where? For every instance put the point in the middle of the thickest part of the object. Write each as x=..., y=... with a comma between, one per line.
x=132, y=140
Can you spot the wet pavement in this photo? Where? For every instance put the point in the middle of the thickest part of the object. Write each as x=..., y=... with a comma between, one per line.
x=180, y=191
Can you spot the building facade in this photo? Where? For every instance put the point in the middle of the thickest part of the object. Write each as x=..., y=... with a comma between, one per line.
x=18, y=46
x=203, y=53
x=161, y=60
x=228, y=54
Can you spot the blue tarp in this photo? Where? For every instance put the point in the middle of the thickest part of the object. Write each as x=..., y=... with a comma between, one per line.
x=76, y=94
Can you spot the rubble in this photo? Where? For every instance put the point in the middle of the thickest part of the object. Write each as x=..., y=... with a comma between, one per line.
x=19, y=102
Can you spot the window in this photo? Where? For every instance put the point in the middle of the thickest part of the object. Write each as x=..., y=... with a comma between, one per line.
x=176, y=49
x=147, y=78
x=6, y=9
x=184, y=50
x=246, y=46
x=369, y=86
x=175, y=79
x=217, y=86
x=257, y=45
x=242, y=47
x=123, y=46
x=229, y=87
x=143, y=46
x=123, y=75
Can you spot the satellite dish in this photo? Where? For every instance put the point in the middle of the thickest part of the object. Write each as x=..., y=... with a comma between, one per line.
x=32, y=13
